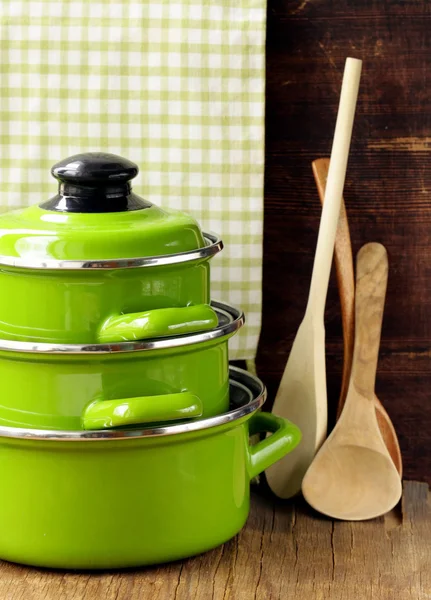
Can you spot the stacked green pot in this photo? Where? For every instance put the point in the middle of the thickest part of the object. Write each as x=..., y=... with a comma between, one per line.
x=108, y=336
x=107, y=319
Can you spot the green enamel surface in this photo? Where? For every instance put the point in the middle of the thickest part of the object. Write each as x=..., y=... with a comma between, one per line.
x=98, y=505
x=40, y=234
x=103, y=414
x=71, y=306
x=160, y=322
x=53, y=391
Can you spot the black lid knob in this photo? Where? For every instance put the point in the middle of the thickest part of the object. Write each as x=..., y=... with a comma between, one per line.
x=95, y=182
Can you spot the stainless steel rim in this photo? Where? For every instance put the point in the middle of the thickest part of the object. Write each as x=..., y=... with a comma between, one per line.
x=213, y=245
x=238, y=378
x=236, y=321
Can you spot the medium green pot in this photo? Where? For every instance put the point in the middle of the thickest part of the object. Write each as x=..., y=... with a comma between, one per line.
x=99, y=500
x=96, y=259
x=113, y=385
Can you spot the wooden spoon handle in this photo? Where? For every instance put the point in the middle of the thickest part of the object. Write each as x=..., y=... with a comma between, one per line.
x=334, y=190
x=371, y=283
x=345, y=277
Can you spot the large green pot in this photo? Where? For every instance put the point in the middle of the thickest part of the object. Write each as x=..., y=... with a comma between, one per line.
x=90, y=264
x=112, y=385
x=98, y=500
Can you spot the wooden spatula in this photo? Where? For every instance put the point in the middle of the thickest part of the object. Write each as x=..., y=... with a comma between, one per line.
x=346, y=288
x=353, y=476
x=301, y=396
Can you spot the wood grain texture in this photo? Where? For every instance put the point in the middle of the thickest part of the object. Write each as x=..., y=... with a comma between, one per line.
x=387, y=190
x=346, y=289
x=302, y=394
x=371, y=285
x=285, y=551
x=343, y=258
x=353, y=476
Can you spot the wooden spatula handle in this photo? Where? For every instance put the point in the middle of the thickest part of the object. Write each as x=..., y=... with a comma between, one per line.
x=371, y=282
x=345, y=277
x=334, y=190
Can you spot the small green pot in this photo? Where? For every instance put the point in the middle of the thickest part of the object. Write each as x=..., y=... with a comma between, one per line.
x=92, y=264
x=99, y=386
x=99, y=500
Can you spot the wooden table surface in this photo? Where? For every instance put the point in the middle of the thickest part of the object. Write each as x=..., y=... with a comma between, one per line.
x=284, y=552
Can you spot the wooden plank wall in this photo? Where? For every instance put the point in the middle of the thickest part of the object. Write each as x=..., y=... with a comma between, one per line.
x=387, y=192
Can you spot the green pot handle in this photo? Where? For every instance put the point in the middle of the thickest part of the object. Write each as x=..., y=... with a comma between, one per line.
x=285, y=437
x=103, y=414
x=159, y=322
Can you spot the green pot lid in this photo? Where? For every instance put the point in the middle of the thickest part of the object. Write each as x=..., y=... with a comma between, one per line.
x=95, y=215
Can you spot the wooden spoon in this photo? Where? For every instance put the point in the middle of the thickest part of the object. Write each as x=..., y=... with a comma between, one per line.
x=301, y=396
x=353, y=476
x=346, y=288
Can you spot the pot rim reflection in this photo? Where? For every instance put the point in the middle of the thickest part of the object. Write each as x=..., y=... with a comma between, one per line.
x=213, y=245
x=230, y=320
x=238, y=378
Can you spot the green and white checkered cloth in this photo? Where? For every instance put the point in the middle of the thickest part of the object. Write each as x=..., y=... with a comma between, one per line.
x=176, y=86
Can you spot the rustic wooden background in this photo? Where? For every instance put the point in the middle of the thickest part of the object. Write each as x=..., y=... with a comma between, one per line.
x=387, y=191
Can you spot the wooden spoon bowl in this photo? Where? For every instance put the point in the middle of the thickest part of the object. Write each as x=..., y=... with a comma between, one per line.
x=352, y=482
x=353, y=476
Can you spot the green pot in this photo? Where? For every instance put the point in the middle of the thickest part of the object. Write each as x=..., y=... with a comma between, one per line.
x=96, y=259
x=99, y=500
x=113, y=385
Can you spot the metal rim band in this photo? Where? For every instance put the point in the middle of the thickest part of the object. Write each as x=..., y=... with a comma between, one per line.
x=213, y=246
x=236, y=321
x=238, y=378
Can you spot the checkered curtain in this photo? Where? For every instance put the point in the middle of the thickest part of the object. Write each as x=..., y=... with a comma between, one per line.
x=175, y=86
